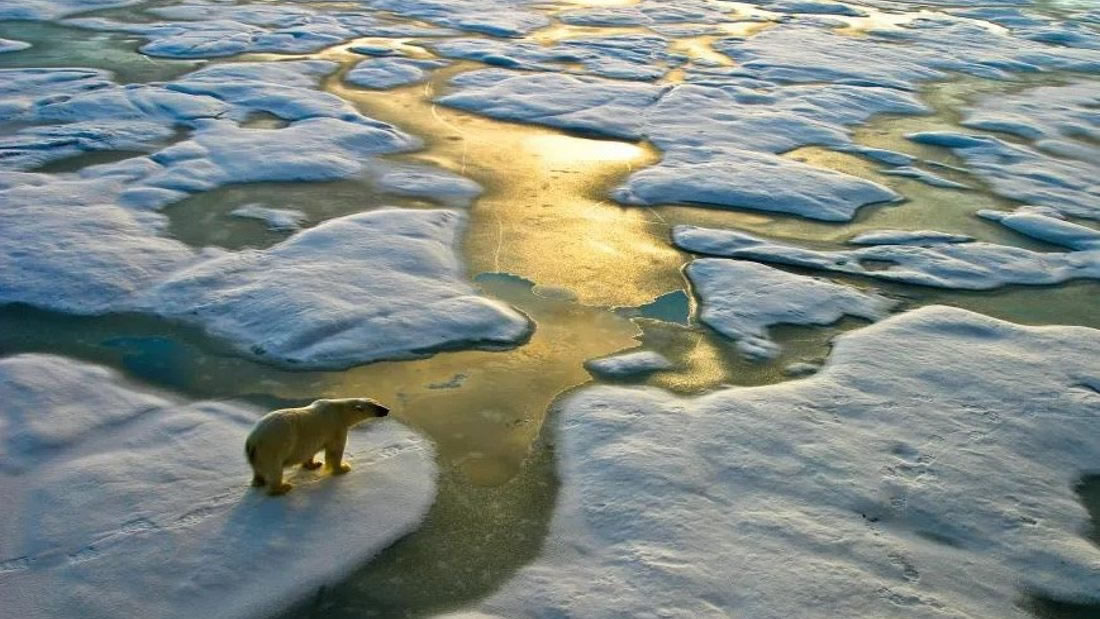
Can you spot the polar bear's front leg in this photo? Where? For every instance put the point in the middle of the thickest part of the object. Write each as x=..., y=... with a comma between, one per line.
x=334, y=454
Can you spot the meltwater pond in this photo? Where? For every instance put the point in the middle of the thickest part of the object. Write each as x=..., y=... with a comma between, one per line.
x=571, y=140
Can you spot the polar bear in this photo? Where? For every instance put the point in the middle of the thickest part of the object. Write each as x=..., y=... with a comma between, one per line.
x=291, y=436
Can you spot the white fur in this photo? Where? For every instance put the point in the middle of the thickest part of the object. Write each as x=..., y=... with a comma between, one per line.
x=292, y=436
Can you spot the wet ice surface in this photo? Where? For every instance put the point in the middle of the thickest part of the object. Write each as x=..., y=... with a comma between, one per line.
x=914, y=465
x=816, y=129
x=113, y=492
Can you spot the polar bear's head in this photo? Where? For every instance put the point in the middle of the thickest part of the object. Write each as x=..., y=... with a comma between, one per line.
x=355, y=410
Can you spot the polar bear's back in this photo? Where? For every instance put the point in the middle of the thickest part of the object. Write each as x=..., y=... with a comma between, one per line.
x=290, y=434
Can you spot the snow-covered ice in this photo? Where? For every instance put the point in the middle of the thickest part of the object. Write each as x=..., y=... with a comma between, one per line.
x=9, y=45
x=907, y=237
x=385, y=73
x=629, y=364
x=53, y=9
x=945, y=264
x=384, y=284
x=120, y=502
x=742, y=299
x=926, y=471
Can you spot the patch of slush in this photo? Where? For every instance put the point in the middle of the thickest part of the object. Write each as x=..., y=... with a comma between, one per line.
x=916, y=475
x=278, y=219
x=720, y=141
x=945, y=264
x=628, y=365
x=385, y=73
x=385, y=284
x=742, y=299
x=113, y=493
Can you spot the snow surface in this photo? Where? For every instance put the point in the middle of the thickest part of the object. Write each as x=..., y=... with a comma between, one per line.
x=278, y=219
x=53, y=9
x=384, y=73
x=742, y=299
x=970, y=266
x=9, y=45
x=628, y=364
x=119, y=502
x=907, y=237
x=916, y=475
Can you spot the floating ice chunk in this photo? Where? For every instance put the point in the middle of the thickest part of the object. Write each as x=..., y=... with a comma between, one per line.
x=889, y=157
x=875, y=488
x=131, y=492
x=279, y=219
x=969, y=266
x=924, y=176
x=907, y=237
x=384, y=73
x=386, y=284
x=742, y=299
x=8, y=45
x=802, y=368
x=628, y=365
x=1046, y=228
x=745, y=179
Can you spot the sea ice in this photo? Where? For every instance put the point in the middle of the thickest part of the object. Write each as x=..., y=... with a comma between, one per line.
x=628, y=364
x=742, y=299
x=385, y=284
x=120, y=502
x=926, y=471
x=946, y=264
x=385, y=73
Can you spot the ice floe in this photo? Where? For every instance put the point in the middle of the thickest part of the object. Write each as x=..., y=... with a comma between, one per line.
x=926, y=471
x=628, y=364
x=742, y=299
x=384, y=73
x=53, y=9
x=385, y=284
x=946, y=264
x=123, y=502
x=499, y=18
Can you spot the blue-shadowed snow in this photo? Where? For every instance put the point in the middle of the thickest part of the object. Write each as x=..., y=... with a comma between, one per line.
x=628, y=365
x=122, y=502
x=742, y=299
x=944, y=264
x=384, y=73
x=280, y=219
x=907, y=237
x=926, y=471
